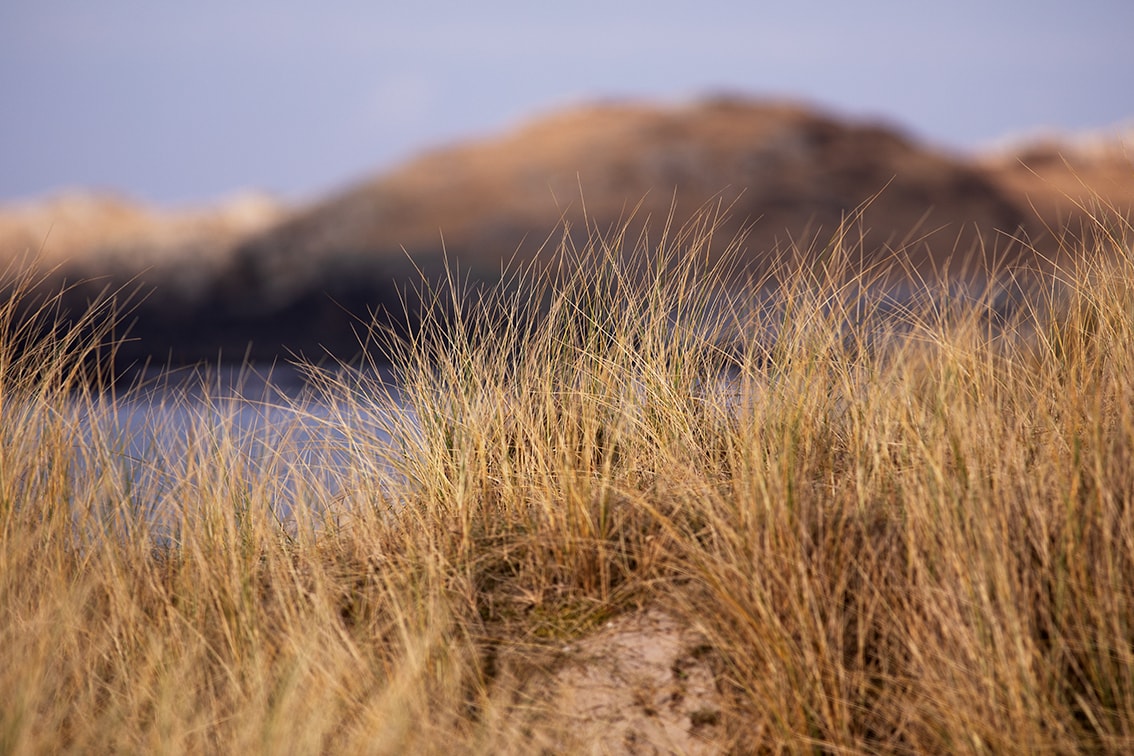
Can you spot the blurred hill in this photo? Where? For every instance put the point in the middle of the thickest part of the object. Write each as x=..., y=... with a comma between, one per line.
x=293, y=280
x=1065, y=178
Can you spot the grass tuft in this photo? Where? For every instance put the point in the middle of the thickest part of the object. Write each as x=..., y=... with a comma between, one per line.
x=898, y=523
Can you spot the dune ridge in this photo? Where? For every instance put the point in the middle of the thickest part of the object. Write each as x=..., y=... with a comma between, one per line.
x=286, y=279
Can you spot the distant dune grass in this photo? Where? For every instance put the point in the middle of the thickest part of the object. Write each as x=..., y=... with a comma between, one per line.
x=900, y=529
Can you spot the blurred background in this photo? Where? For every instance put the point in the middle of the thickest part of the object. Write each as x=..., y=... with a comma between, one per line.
x=175, y=103
x=253, y=172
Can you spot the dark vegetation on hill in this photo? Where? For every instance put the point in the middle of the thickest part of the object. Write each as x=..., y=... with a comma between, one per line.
x=271, y=283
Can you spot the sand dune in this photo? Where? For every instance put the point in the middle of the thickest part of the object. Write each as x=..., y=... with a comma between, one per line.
x=249, y=270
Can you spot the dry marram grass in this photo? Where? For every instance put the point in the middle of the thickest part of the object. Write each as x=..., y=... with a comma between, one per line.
x=853, y=524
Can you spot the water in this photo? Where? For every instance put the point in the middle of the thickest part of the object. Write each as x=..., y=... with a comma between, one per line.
x=273, y=435
x=270, y=436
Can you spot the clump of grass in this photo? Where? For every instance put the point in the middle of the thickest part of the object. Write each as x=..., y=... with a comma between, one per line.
x=902, y=526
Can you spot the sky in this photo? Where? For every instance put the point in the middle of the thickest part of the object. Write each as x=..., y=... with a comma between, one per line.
x=186, y=103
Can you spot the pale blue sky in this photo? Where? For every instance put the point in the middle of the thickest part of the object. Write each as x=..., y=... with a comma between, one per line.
x=186, y=102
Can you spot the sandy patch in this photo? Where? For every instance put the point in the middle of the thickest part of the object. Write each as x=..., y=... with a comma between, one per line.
x=642, y=684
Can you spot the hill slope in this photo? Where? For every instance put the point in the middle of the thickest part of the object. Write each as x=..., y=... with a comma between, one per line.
x=785, y=173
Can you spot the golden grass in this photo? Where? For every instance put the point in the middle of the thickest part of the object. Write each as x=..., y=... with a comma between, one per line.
x=900, y=530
